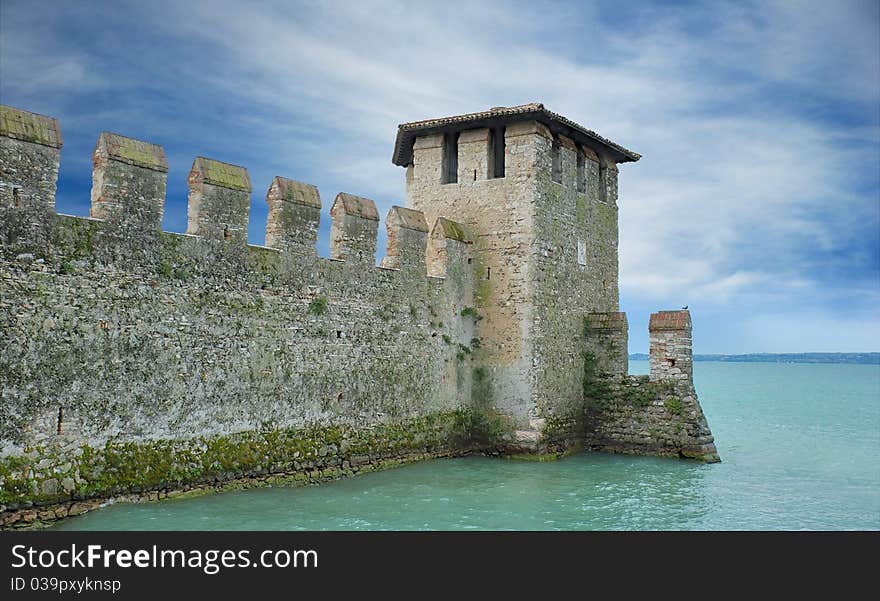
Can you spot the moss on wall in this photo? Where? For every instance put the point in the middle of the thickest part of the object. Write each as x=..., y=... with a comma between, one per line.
x=45, y=475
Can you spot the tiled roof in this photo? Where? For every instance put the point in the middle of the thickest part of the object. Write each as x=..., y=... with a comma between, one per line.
x=407, y=132
x=133, y=152
x=29, y=127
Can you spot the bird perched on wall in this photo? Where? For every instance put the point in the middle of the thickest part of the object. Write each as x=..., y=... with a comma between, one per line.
x=684, y=308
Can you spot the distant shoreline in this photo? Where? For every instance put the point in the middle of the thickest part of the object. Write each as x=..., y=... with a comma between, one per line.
x=852, y=358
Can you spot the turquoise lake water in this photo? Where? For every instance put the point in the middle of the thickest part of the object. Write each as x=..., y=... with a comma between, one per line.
x=800, y=449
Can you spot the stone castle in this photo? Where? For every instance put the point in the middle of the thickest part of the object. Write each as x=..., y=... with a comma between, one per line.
x=141, y=364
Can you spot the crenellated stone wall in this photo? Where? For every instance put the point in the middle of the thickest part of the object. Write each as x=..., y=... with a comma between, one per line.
x=128, y=183
x=138, y=362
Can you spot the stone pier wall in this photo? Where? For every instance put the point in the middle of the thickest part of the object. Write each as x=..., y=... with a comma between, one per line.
x=644, y=415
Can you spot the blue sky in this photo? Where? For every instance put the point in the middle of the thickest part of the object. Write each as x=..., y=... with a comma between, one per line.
x=756, y=202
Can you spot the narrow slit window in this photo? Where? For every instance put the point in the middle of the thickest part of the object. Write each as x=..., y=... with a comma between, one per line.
x=581, y=178
x=556, y=166
x=496, y=148
x=450, y=158
x=603, y=192
x=16, y=197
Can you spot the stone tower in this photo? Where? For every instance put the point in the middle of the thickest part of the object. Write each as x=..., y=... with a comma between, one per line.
x=491, y=325
x=538, y=195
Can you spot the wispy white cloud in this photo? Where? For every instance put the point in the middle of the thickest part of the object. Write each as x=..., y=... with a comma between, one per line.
x=757, y=121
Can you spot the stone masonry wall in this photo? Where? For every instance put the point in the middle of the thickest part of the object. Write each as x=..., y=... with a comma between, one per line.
x=139, y=363
x=656, y=415
x=545, y=255
x=496, y=214
x=164, y=361
x=574, y=255
x=633, y=415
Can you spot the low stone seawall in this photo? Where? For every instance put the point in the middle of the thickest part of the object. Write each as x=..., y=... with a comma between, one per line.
x=48, y=484
x=635, y=416
x=657, y=414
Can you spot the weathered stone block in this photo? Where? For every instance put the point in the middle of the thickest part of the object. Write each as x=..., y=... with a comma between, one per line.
x=30, y=150
x=406, y=241
x=128, y=183
x=353, y=230
x=219, y=201
x=294, y=215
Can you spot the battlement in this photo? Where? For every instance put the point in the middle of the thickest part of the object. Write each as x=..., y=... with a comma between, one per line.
x=492, y=322
x=671, y=353
x=406, y=241
x=128, y=195
x=30, y=148
x=25, y=126
x=607, y=336
x=219, y=201
x=294, y=215
x=128, y=183
x=437, y=252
